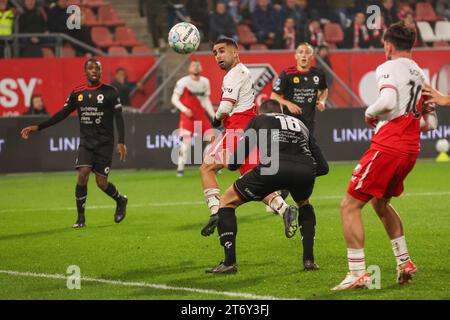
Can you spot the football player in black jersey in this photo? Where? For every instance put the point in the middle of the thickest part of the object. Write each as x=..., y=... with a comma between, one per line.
x=301, y=90
x=98, y=106
x=299, y=162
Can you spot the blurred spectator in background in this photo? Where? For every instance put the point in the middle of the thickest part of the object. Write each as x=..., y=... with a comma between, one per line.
x=123, y=86
x=316, y=36
x=410, y=22
x=443, y=8
x=83, y=34
x=198, y=11
x=7, y=15
x=358, y=35
x=378, y=34
x=176, y=12
x=389, y=12
x=289, y=34
x=32, y=20
x=57, y=17
x=36, y=106
x=221, y=23
x=152, y=10
x=265, y=22
x=293, y=10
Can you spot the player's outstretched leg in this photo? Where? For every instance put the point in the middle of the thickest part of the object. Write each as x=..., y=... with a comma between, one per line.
x=81, y=195
x=307, y=223
x=227, y=228
x=406, y=269
x=111, y=190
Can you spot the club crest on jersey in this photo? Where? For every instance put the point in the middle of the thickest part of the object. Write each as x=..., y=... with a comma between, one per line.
x=316, y=79
x=296, y=80
x=80, y=97
x=100, y=98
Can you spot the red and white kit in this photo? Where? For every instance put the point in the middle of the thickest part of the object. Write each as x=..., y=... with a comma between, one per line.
x=238, y=103
x=194, y=95
x=396, y=143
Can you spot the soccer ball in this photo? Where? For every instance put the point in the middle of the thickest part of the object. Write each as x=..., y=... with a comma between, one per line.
x=184, y=38
x=442, y=145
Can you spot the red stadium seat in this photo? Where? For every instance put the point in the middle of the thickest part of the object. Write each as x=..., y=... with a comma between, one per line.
x=109, y=17
x=246, y=36
x=117, y=50
x=141, y=50
x=438, y=44
x=74, y=2
x=258, y=46
x=241, y=47
x=425, y=12
x=126, y=37
x=91, y=18
x=102, y=37
x=68, y=51
x=93, y=3
x=333, y=33
x=47, y=53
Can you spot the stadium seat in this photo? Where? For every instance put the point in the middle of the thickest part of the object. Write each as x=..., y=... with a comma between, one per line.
x=443, y=30
x=440, y=44
x=425, y=12
x=93, y=3
x=258, y=46
x=117, y=50
x=141, y=50
x=333, y=33
x=126, y=37
x=102, y=37
x=109, y=17
x=246, y=35
x=426, y=31
x=91, y=18
x=68, y=51
x=47, y=53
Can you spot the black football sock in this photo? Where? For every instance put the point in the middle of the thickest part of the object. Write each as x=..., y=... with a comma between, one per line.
x=227, y=228
x=307, y=223
x=112, y=191
x=80, y=196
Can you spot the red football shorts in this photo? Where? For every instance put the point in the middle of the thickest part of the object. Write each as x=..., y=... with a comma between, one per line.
x=380, y=175
x=222, y=148
x=186, y=124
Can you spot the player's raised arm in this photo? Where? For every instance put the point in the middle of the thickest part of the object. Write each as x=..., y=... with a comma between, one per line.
x=177, y=92
x=68, y=108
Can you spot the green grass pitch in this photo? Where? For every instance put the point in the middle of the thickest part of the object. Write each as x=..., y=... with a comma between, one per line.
x=159, y=242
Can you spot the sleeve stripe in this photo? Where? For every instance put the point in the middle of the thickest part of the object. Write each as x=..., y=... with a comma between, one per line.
x=388, y=86
x=228, y=99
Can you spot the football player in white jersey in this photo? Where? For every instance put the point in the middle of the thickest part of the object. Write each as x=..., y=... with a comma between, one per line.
x=235, y=111
x=191, y=97
x=399, y=116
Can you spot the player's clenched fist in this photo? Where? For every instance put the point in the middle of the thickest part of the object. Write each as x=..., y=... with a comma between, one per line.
x=25, y=133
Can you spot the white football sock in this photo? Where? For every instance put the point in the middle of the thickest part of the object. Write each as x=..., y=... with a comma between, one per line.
x=183, y=153
x=212, y=196
x=356, y=262
x=278, y=204
x=400, y=250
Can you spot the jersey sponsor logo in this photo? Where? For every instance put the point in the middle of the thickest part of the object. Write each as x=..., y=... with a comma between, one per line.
x=296, y=80
x=107, y=170
x=100, y=98
x=80, y=97
x=316, y=79
x=229, y=90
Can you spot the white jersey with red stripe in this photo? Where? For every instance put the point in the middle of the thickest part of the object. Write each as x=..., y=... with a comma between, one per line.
x=190, y=89
x=237, y=88
x=399, y=132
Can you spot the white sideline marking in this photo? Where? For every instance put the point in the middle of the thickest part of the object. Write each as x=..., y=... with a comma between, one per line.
x=144, y=285
x=194, y=203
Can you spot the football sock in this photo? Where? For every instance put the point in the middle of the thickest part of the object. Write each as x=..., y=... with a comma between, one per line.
x=400, y=250
x=112, y=191
x=183, y=153
x=356, y=262
x=278, y=204
x=307, y=223
x=80, y=196
x=212, y=196
x=227, y=228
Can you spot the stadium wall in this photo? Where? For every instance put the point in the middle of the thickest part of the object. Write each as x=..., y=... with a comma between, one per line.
x=341, y=133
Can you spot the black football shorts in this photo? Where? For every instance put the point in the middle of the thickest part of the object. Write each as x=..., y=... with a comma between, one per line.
x=296, y=177
x=99, y=159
